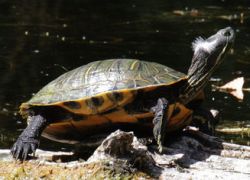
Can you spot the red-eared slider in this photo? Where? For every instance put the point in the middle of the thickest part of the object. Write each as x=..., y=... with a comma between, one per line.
x=119, y=93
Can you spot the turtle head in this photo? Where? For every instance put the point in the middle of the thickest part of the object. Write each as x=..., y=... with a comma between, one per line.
x=208, y=54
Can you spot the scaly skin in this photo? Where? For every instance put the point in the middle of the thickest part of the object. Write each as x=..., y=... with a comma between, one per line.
x=160, y=121
x=28, y=141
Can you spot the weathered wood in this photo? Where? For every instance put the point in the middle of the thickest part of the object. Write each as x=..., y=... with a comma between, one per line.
x=234, y=130
x=192, y=155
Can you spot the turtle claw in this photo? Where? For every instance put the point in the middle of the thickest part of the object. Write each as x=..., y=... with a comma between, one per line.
x=28, y=141
x=157, y=134
x=23, y=147
x=159, y=142
x=160, y=121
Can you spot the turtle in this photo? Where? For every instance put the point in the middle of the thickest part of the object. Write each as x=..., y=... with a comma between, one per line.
x=120, y=93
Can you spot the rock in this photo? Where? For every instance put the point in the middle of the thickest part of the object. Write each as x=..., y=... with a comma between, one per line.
x=124, y=148
x=5, y=155
x=191, y=155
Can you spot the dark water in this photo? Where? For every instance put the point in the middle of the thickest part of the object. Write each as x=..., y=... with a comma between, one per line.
x=40, y=40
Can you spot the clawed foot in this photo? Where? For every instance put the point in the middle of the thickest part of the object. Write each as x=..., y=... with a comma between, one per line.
x=23, y=147
x=28, y=141
x=160, y=121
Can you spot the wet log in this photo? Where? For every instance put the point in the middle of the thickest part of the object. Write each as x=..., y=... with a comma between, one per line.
x=191, y=155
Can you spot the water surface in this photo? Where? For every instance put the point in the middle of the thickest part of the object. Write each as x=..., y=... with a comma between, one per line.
x=39, y=40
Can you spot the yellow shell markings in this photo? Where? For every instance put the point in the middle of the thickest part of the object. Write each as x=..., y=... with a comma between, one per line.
x=101, y=80
x=180, y=119
x=179, y=116
x=72, y=105
x=133, y=65
x=89, y=105
x=90, y=124
x=96, y=82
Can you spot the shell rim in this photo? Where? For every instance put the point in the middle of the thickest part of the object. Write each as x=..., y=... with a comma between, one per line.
x=26, y=105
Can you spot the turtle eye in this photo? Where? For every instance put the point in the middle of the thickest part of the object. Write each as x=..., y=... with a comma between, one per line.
x=227, y=33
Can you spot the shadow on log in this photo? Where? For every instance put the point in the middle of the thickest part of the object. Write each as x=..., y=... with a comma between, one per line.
x=192, y=155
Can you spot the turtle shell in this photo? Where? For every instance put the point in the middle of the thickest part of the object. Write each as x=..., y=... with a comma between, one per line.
x=103, y=85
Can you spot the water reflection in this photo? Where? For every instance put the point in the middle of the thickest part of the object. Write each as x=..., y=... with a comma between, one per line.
x=40, y=40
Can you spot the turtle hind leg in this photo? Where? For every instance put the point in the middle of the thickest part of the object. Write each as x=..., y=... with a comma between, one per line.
x=28, y=141
x=160, y=121
x=204, y=120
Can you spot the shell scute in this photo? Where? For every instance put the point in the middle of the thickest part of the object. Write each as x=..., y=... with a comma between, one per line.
x=102, y=85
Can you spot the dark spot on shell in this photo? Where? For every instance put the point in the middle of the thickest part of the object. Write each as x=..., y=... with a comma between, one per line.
x=77, y=117
x=72, y=104
x=117, y=96
x=176, y=111
x=97, y=101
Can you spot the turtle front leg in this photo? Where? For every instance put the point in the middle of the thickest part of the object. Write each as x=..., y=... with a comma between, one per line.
x=28, y=141
x=160, y=121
